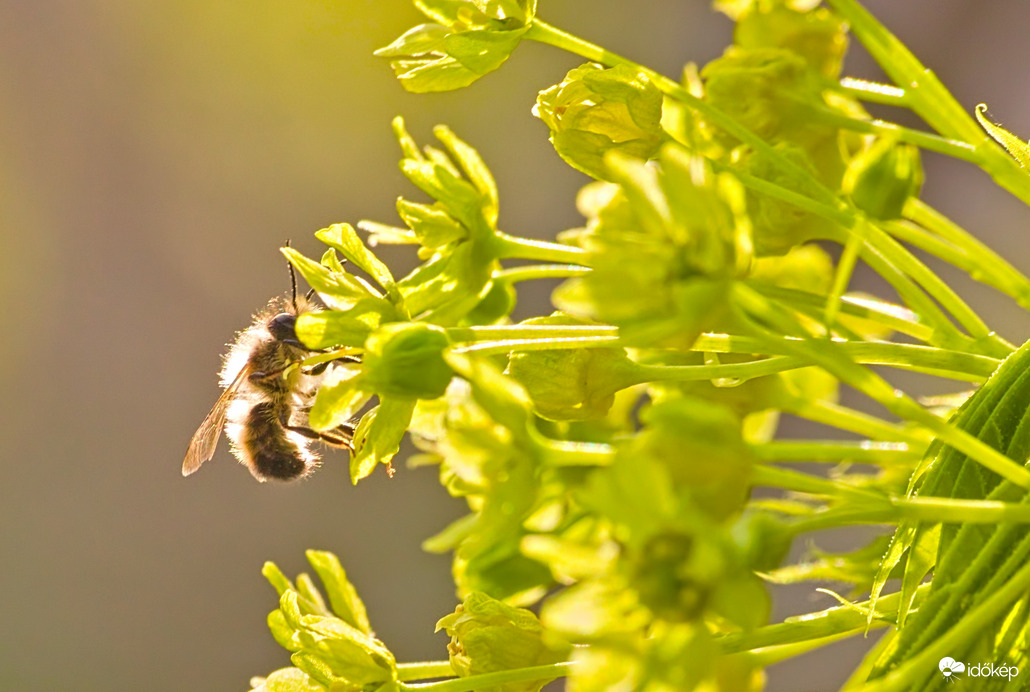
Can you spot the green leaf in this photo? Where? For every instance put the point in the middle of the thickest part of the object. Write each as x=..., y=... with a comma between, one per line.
x=432, y=225
x=335, y=404
x=342, y=237
x=432, y=57
x=332, y=328
x=276, y=578
x=379, y=434
x=343, y=290
x=474, y=168
x=1015, y=146
x=343, y=598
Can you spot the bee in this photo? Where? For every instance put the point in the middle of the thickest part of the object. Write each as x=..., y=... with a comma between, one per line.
x=266, y=397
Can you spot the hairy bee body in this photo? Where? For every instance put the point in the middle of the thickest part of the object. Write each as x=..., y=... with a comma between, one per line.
x=265, y=400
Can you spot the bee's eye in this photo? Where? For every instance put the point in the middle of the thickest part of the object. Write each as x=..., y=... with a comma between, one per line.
x=283, y=327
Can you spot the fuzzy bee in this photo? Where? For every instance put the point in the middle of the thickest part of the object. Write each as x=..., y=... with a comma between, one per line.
x=266, y=398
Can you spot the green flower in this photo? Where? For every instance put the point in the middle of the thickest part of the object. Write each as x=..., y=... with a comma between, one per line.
x=468, y=39
x=456, y=233
x=764, y=90
x=332, y=645
x=487, y=453
x=780, y=226
x=488, y=635
x=664, y=250
x=596, y=110
x=571, y=384
x=819, y=36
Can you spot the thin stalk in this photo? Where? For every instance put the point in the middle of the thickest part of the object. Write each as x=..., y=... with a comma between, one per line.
x=787, y=479
x=887, y=454
x=545, y=33
x=422, y=670
x=540, y=271
x=983, y=263
x=932, y=510
x=875, y=92
x=528, y=248
x=857, y=422
x=961, y=365
x=498, y=348
x=485, y=680
x=817, y=626
x=826, y=355
x=893, y=316
x=924, y=140
x=530, y=331
x=568, y=453
x=889, y=259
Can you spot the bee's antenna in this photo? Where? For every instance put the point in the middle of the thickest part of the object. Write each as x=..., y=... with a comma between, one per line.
x=293, y=281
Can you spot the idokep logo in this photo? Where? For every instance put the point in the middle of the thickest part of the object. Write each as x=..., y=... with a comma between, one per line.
x=952, y=670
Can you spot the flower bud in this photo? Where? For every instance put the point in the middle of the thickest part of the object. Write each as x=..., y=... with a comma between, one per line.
x=571, y=384
x=596, y=110
x=882, y=178
x=488, y=635
x=406, y=360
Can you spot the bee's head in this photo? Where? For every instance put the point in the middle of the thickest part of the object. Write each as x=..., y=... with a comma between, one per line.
x=283, y=328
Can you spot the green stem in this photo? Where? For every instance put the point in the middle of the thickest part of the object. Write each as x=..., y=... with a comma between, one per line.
x=530, y=331
x=971, y=367
x=827, y=355
x=928, y=96
x=896, y=264
x=424, y=669
x=874, y=92
x=894, y=317
x=855, y=421
x=889, y=259
x=528, y=248
x=486, y=680
x=540, y=271
x=982, y=263
x=499, y=348
x=887, y=454
x=776, y=477
x=499, y=340
x=817, y=626
x=924, y=140
x=568, y=453
x=925, y=509
x=545, y=33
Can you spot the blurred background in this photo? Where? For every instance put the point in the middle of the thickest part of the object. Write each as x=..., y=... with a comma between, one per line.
x=153, y=157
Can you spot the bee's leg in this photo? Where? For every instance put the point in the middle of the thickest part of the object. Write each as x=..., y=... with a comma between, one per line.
x=320, y=368
x=316, y=369
x=339, y=436
x=264, y=376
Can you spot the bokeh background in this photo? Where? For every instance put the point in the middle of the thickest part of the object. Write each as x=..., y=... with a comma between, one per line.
x=153, y=156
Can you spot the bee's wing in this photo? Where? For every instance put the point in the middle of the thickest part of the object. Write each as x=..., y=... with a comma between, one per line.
x=202, y=446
